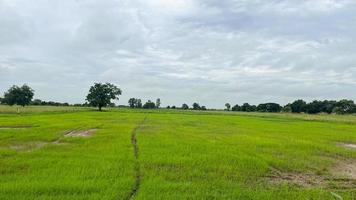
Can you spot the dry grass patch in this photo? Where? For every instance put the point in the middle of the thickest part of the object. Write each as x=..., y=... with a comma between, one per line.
x=344, y=175
x=81, y=133
x=276, y=176
x=31, y=146
x=341, y=176
x=345, y=169
x=349, y=145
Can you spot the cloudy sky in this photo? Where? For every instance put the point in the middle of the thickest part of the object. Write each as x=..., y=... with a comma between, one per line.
x=183, y=51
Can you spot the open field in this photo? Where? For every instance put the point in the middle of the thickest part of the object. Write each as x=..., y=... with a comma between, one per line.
x=78, y=153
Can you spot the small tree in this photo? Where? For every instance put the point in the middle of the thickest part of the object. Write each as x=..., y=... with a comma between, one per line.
x=149, y=105
x=158, y=103
x=236, y=108
x=185, y=106
x=132, y=102
x=228, y=106
x=196, y=106
x=100, y=95
x=18, y=95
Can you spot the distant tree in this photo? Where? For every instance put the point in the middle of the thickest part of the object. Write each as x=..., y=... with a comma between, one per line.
x=248, y=108
x=132, y=102
x=173, y=107
x=337, y=110
x=245, y=107
x=262, y=107
x=329, y=106
x=196, y=106
x=36, y=102
x=287, y=109
x=269, y=107
x=298, y=106
x=228, y=106
x=158, y=103
x=112, y=104
x=149, y=105
x=253, y=108
x=100, y=95
x=168, y=107
x=138, y=103
x=203, y=108
x=314, y=107
x=18, y=95
x=185, y=106
x=1, y=100
x=236, y=108
x=346, y=106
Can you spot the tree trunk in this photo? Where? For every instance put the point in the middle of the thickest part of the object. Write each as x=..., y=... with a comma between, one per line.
x=99, y=108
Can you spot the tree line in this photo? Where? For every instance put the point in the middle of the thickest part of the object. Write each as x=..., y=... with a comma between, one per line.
x=300, y=106
x=137, y=103
x=101, y=94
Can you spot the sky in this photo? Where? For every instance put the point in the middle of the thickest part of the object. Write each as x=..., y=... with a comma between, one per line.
x=182, y=51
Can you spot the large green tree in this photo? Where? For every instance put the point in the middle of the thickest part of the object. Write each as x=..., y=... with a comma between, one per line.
x=100, y=95
x=18, y=95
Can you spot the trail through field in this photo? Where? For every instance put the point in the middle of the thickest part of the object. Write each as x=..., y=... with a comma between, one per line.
x=137, y=168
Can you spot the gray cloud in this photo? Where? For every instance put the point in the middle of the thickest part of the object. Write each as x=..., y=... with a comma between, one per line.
x=183, y=51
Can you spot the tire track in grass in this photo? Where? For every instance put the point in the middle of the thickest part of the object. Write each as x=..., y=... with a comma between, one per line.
x=137, y=167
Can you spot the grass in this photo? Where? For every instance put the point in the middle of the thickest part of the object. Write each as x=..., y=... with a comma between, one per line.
x=182, y=154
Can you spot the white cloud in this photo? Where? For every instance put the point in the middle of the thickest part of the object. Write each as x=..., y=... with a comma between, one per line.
x=209, y=51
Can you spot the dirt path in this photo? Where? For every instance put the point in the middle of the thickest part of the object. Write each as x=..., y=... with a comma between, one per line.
x=137, y=168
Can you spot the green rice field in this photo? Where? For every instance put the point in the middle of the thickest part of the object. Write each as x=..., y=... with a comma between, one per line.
x=66, y=153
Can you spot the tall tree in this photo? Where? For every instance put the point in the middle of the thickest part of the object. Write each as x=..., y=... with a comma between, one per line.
x=18, y=95
x=228, y=106
x=158, y=103
x=138, y=103
x=100, y=95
